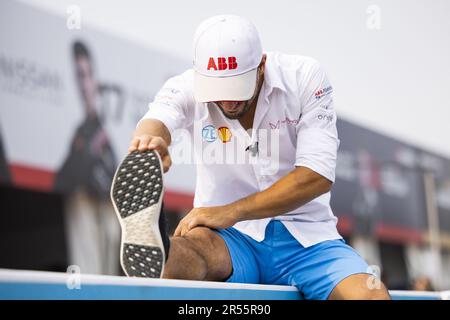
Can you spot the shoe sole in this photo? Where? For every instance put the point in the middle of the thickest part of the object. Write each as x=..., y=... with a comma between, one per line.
x=136, y=193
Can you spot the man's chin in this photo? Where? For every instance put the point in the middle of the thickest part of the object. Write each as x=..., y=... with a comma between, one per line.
x=234, y=115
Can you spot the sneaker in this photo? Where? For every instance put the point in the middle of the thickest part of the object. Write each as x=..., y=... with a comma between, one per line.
x=137, y=193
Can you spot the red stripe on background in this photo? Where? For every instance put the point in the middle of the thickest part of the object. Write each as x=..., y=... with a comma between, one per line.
x=27, y=177
x=41, y=179
x=345, y=225
x=174, y=200
x=31, y=178
x=398, y=234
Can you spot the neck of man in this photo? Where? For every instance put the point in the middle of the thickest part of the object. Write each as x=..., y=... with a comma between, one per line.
x=246, y=120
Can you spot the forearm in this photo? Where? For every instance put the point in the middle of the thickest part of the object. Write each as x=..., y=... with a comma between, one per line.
x=153, y=127
x=152, y=134
x=290, y=192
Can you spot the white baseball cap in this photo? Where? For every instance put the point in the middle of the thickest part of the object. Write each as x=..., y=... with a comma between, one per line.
x=227, y=53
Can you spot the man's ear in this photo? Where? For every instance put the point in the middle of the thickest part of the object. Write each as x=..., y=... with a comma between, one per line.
x=262, y=64
x=263, y=60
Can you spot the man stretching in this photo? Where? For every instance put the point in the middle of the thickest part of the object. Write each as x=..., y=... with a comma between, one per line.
x=250, y=223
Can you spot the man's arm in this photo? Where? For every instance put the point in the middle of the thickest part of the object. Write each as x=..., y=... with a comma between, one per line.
x=151, y=127
x=170, y=110
x=292, y=191
x=152, y=134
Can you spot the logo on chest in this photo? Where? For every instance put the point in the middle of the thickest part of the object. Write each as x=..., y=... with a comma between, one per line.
x=210, y=134
x=284, y=122
x=224, y=134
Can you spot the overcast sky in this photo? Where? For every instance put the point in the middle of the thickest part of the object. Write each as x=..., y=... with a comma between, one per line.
x=388, y=60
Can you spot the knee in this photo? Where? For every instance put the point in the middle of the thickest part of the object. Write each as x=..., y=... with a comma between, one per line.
x=184, y=261
x=380, y=293
x=360, y=287
x=374, y=289
x=212, y=248
x=200, y=234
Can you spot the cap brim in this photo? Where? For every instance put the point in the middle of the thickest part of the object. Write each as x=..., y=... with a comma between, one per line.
x=233, y=88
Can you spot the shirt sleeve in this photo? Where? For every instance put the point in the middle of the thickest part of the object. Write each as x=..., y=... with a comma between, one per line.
x=317, y=138
x=171, y=105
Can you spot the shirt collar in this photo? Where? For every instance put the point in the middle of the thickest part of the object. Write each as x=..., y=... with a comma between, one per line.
x=271, y=76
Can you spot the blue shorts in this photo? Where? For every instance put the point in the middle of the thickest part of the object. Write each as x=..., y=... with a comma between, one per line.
x=280, y=259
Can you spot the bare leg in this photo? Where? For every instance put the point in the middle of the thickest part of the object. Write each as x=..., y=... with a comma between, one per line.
x=359, y=287
x=199, y=255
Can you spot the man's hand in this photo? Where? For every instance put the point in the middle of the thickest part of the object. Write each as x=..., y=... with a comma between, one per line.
x=149, y=142
x=212, y=217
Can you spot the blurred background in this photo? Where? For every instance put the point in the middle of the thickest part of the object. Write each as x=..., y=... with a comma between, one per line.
x=76, y=76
